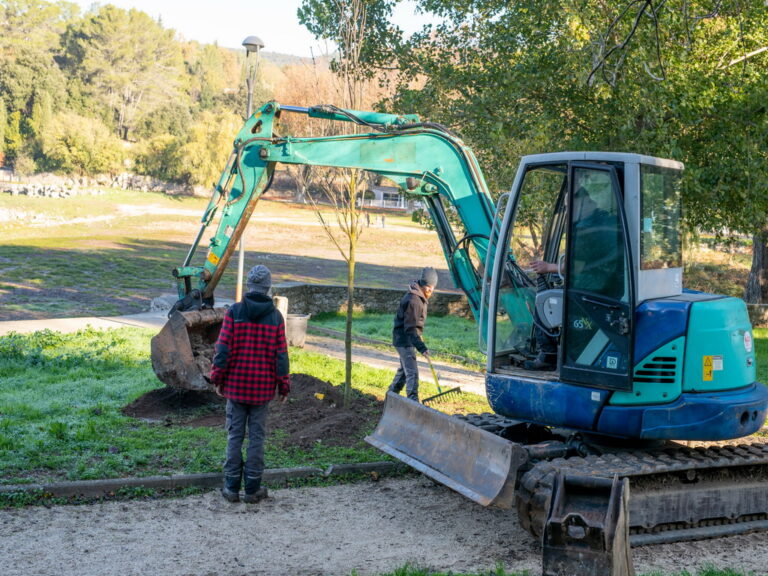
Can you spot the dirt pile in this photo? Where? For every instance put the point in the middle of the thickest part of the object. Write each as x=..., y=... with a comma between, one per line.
x=314, y=412
x=173, y=406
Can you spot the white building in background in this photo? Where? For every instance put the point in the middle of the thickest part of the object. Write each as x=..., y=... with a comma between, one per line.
x=389, y=197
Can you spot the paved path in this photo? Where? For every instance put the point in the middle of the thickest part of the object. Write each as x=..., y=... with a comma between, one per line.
x=450, y=375
x=145, y=320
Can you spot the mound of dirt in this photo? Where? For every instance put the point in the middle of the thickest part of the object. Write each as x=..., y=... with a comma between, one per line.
x=174, y=406
x=313, y=413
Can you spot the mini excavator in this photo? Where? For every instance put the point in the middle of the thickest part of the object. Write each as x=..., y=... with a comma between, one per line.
x=644, y=367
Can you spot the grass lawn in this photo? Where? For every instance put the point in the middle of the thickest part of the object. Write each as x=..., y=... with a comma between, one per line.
x=413, y=571
x=61, y=395
x=60, y=419
x=112, y=253
x=445, y=336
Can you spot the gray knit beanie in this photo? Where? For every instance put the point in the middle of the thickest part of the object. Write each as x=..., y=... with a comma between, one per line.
x=259, y=279
x=428, y=277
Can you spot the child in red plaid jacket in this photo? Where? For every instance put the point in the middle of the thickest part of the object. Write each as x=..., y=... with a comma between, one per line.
x=250, y=364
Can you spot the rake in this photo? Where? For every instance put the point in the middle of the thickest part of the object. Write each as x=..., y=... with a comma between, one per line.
x=440, y=392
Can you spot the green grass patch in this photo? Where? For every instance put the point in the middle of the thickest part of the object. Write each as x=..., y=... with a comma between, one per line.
x=705, y=571
x=61, y=397
x=445, y=336
x=375, y=381
x=409, y=570
x=761, y=353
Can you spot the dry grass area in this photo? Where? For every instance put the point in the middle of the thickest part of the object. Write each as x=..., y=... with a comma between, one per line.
x=113, y=252
x=720, y=272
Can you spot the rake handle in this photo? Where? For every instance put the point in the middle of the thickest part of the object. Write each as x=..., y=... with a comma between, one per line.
x=434, y=374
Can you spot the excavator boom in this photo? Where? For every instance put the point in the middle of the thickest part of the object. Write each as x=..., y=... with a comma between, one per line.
x=424, y=159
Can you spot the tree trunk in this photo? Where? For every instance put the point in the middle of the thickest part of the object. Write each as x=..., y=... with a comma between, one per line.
x=301, y=191
x=756, y=291
x=348, y=328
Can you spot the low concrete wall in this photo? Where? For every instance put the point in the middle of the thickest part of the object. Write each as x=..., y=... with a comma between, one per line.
x=319, y=298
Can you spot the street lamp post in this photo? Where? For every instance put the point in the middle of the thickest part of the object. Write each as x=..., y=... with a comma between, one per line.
x=252, y=44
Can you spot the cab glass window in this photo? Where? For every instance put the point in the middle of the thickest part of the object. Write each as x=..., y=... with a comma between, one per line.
x=535, y=207
x=660, y=240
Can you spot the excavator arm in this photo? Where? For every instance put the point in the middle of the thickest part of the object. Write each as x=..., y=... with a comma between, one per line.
x=424, y=159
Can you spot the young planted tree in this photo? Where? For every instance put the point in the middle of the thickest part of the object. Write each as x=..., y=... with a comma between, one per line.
x=356, y=27
x=343, y=190
x=306, y=86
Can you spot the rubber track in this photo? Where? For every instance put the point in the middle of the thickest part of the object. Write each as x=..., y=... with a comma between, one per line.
x=675, y=467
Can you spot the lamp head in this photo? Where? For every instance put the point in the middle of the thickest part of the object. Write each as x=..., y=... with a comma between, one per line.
x=253, y=44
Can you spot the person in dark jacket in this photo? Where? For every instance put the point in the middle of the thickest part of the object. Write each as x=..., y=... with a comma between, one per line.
x=249, y=364
x=408, y=329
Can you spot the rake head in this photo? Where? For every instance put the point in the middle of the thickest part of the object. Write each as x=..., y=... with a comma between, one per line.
x=442, y=395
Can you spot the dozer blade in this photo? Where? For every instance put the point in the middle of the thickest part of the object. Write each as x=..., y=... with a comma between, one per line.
x=475, y=463
x=183, y=350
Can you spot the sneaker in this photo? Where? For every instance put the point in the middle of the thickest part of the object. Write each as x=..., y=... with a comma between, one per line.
x=257, y=496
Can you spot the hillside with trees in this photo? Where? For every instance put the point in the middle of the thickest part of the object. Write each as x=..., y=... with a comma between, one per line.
x=111, y=91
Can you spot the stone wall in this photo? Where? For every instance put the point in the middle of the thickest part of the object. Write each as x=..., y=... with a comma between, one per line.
x=55, y=186
x=318, y=298
x=758, y=315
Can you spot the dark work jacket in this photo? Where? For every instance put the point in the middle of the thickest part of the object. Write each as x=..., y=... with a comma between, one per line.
x=409, y=320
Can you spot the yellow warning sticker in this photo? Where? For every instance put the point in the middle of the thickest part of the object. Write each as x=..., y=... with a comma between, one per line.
x=708, y=369
x=212, y=258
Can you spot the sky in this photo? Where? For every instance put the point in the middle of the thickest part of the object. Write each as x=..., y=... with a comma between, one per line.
x=229, y=22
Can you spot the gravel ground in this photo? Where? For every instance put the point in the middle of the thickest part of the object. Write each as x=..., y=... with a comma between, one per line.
x=370, y=527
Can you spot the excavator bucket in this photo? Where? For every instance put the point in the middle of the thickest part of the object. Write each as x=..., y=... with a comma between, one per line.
x=183, y=350
x=475, y=463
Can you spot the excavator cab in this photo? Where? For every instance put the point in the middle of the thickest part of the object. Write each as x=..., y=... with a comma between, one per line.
x=571, y=214
x=634, y=348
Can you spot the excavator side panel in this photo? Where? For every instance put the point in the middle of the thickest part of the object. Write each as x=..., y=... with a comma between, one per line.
x=475, y=463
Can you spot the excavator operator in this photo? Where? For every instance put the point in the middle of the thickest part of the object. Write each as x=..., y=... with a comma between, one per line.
x=586, y=215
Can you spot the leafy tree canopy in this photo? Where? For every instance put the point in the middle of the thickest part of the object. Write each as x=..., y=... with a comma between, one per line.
x=330, y=20
x=674, y=80
x=125, y=59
